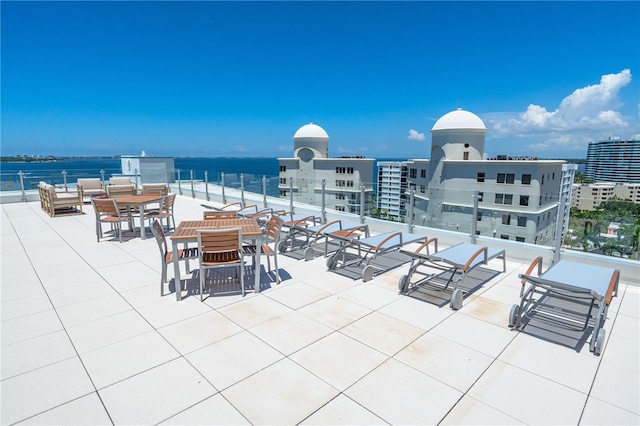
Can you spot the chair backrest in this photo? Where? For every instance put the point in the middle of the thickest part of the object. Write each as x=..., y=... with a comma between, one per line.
x=151, y=192
x=158, y=233
x=248, y=210
x=213, y=215
x=168, y=201
x=274, y=225
x=120, y=180
x=223, y=244
x=105, y=206
x=162, y=187
x=121, y=190
x=89, y=183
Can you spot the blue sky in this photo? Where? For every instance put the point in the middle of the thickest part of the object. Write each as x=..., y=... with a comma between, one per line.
x=239, y=78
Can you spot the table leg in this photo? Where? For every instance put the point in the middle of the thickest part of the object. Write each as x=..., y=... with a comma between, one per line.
x=257, y=263
x=176, y=273
x=142, y=233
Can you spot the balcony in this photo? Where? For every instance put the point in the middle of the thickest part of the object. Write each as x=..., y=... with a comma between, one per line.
x=87, y=339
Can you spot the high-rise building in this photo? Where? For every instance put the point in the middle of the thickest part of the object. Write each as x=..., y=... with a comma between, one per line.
x=613, y=160
x=345, y=178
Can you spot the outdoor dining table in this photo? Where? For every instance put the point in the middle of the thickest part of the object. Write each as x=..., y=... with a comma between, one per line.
x=141, y=201
x=187, y=232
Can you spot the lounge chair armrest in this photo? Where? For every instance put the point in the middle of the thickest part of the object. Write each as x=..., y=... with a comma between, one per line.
x=364, y=228
x=322, y=228
x=613, y=285
x=472, y=258
x=426, y=244
x=387, y=239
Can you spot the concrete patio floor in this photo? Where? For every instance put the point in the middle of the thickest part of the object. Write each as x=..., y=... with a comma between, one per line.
x=87, y=339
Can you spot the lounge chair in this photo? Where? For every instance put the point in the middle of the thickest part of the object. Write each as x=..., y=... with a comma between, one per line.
x=54, y=202
x=452, y=264
x=89, y=187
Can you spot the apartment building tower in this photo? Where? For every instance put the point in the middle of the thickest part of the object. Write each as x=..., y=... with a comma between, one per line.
x=613, y=160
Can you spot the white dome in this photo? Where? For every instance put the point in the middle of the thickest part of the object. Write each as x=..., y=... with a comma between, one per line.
x=311, y=131
x=459, y=119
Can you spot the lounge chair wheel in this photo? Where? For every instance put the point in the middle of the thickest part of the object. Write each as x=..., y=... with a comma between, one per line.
x=282, y=246
x=403, y=283
x=513, y=315
x=367, y=273
x=456, y=299
x=331, y=262
x=599, y=341
x=309, y=254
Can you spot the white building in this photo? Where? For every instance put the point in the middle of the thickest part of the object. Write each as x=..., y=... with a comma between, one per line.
x=517, y=197
x=344, y=177
x=613, y=160
x=590, y=196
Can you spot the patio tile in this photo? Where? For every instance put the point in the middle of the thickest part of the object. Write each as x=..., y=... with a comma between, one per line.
x=146, y=295
x=447, y=361
x=469, y=411
x=127, y=358
x=199, y=331
x=416, y=312
x=21, y=290
x=339, y=360
x=630, y=304
x=329, y=282
x=253, y=311
x=371, y=296
x=87, y=410
x=399, y=394
x=156, y=395
x=489, y=310
x=623, y=351
x=80, y=293
x=475, y=334
x=601, y=413
x=28, y=355
x=552, y=361
x=335, y=311
x=91, y=310
x=607, y=385
x=212, y=411
x=298, y=295
x=536, y=399
x=106, y=331
x=290, y=332
x=29, y=326
x=343, y=411
x=283, y=393
x=24, y=306
x=243, y=355
x=39, y=390
x=625, y=326
x=169, y=311
x=381, y=332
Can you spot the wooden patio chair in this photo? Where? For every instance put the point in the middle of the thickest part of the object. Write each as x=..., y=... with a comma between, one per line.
x=107, y=211
x=220, y=248
x=167, y=256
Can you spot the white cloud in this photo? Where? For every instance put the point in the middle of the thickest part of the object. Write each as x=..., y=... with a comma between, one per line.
x=414, y=135
x=588, y=113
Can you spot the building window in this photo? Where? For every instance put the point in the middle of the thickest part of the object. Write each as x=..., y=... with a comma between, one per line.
x=283, y=193
x=340, y=208
x=340, y=170
x=504, y=236
x=423, y=173
x=480, y=196
x=423, y=189
x=413, y=173
x=477, y=232
x=350, y=183
x=340, y=183
x=520, y=239
x=540, y=201
x=283, y=168
x=522, y=221
x=479, y=217
x=506, y=219
x=524, y=200
x=506, y=178
x=283, y=181
x=553, y=176
x=542, y=180
x=339, y=196
x=526, y=179
x=480, y=177
x=465, y=155
x=504, y=199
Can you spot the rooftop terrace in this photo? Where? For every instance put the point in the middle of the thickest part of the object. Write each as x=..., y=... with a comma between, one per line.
x=87, y=339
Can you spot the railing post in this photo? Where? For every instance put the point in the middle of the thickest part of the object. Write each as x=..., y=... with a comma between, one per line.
x=291, y=195
x=242, y=190
x=224, y=197
x=411, y=201
x=557, y=240
x=193, y=192
x=206, y=185
x=179, y=182
x=362, y=203
x=135, y=176
x=102, y=177
x=264, y=191
x=64, y=179
x=474, y=219
x=323, y=210
x=24, y=196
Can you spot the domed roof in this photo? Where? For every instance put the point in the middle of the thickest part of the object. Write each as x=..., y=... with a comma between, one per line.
x=459, y=119
x=311, y=131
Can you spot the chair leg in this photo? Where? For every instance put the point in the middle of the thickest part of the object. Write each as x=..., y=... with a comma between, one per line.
x=202, y=272
x=275, y=262
x=241, y=267
x=163, y=278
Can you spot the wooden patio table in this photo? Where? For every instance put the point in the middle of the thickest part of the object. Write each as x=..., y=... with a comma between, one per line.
x=137, y=200
x=187, y=232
